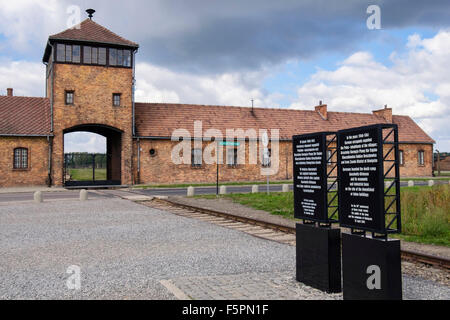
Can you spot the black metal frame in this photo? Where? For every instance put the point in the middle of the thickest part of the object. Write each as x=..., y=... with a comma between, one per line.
x=388, y=136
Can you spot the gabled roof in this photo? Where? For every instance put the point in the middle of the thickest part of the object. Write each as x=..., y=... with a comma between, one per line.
x=24, y=116
x=161, y=119
x=89, y=31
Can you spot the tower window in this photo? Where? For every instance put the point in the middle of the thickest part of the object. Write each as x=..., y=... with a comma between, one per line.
x=121, y=58
x=20, y=158
x=116, y=99
x=60, y=52
x=102, y=56
x=69, y=97
x=68, y=53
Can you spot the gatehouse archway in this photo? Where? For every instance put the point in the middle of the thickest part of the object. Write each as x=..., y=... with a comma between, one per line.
x=94, y=168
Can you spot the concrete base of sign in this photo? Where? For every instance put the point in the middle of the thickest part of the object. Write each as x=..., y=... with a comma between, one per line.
x=319, y=257
x=371, y=268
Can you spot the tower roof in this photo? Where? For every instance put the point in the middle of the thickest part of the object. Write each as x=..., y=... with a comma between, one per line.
x=89, y=31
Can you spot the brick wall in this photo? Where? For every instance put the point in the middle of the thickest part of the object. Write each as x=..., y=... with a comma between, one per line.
x=94, y=87
x=37, y=172
x=159, y=169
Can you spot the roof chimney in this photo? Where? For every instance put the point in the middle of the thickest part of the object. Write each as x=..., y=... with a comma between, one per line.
x=9, y=92
x=322, y=110
x=385, y=113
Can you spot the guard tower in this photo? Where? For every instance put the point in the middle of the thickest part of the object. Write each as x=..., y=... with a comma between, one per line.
x=90, y=84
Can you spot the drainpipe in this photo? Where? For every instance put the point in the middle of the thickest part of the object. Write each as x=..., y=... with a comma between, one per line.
x=133, y=89
x=49, y=140
x=139, y=162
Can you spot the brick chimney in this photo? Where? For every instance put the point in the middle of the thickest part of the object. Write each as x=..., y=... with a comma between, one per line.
x=322, y=110
x=385, y=113
x=9, y=92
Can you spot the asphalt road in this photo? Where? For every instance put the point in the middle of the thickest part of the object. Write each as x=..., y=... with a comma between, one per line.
x=73, y=194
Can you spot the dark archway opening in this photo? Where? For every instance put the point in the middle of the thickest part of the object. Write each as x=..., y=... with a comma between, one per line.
x=94, y=168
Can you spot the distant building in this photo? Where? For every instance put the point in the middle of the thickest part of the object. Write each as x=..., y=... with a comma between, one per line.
x=90, y=87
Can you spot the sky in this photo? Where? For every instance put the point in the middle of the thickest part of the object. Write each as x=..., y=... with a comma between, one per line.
x=282, y=54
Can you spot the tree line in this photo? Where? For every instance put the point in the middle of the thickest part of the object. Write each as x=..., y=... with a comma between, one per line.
x=83, y=160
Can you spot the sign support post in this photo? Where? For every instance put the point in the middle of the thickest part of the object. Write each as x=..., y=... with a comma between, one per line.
x=368, y=156
x=318, y=258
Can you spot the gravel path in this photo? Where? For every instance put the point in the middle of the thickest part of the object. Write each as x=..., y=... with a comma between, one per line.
x=125, y=250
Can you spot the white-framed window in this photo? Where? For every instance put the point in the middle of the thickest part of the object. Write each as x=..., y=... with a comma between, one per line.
x=196, y=158
x=232, y=154
x=401, y=158
x=421, y=158
x=116, y=99
x=69, y=97
x=21, y=158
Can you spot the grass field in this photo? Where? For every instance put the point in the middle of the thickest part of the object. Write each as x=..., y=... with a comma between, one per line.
x=86, y=174
x=425, y=211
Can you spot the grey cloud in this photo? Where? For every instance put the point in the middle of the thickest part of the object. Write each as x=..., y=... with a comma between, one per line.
x=217, y=36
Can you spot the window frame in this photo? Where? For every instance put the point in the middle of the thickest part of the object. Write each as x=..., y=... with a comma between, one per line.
x=114, y=100
x=21, y=165
x=421, y=160
x=66, y=93
x=401, y=156
x=195, y=165
x=101, y=52
x=235, y=157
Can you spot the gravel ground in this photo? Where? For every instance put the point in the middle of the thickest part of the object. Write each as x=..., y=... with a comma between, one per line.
x=125, y=249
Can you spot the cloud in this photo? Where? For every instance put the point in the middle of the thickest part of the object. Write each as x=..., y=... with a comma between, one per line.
x=219, y=36
x=84, y=142
x=26, y=78
x=157, y=84
x=417, y=84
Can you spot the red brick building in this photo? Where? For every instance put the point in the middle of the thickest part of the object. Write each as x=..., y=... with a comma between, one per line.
x=90, y=87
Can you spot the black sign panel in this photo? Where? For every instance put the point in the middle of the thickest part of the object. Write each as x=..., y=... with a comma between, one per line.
x=361, y=181
x=310, y=177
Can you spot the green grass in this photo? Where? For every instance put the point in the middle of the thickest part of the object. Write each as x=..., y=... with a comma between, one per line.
x=185, y=185
x=86, y=174
x=425, y=211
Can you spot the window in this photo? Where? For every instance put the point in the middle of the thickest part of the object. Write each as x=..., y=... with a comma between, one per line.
x=232, y=154
x=401, y=160
x=20, y=158
x=118, y=57
x=68, y=53
x=60, y=52
x=76, y=54
x=69, y=97
x=87, y=57
x=196, y=158
x=266, y=158
x=102, y=56
x=421, y=157
x=329, y=156
x=116, y=99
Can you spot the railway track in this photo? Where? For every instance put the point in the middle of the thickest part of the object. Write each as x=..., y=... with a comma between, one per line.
x=267, y=230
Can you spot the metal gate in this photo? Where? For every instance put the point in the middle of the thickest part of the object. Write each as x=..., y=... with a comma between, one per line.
x=86, y=169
